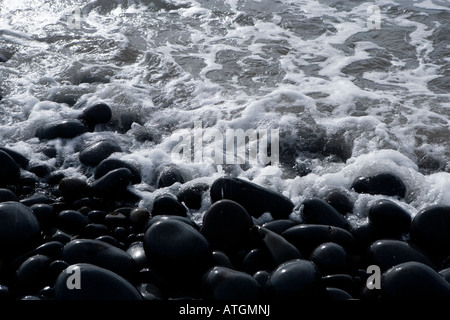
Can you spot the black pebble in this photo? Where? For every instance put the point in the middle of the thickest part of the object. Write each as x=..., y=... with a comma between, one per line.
x=226, y=225
x=167, y=204
x=254, y=198
x=108, y=165
x=73, y=188
x=7, y=195
x=389, y=219
x=96, y=114
x=18, y=157
x=221, y=283
x=383, y=183
x=387, y=253
x=96, y=283
x=413, y=281
x=33, y=274
x=65, y=129
x=430, y=230
x=9, y=169
x=295, y=279
x=339, y=200
x=318, y=211
x=111, y=184
x=95, y=153
x=331, y=258
x=279, y=226
x=45, y=214
x=167, y=175
x=72, y=221
x=192, y=195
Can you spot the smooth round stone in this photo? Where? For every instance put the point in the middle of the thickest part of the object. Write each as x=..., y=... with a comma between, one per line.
x=430, y=229
x=101, y=254
x=37, y=198
x=19, y=228
x=339, y=200
x=306, y=237
x=95, y=153
x=279, y=226
x=413, y=281
x=73, y=188
x=65, y=129
x=254, y=198
x=96, y=230
x=167, y=175
x=7, y=195
x=295, y=279
x=192, y=195
x=139, y=216
x=18, y=157
x=342, y=281
x=137, y=252
x=280, y=249
x=261, y=276
x=109, y=239
x=364, y=235
x=318, y=211
x=111, y=184
x=41, y=170
x=96, y=114
x=96, y=216
x=171, y=244
x=387, y=253
x=116, y=219
x=221, y=283
x=51, y=249
x=108, y=165
x=33, y=274
x=331, y=258
x=383, y=183
x=5, y=293
x=446, y=274
x=226, y=225
x=156, y=219
x=149, y=291
x=96, y=283
x=9, y=169
x=389, y=219
x=72, y=221
x=258, y=259
x=167, y=204
x=221, y=259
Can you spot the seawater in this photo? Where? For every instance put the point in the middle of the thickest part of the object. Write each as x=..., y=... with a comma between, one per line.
x=353, y=87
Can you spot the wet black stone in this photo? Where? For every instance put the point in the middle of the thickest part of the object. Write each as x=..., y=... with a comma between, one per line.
x=446, y=274
x=221, y=283
x=96, y=284
x=159, y=218
x=295, y=279
x=3, y=58
x=171, y=244
x=5, y=293
x=110, y=240
x=96, y=216
x=261, y=276
x=139, y=216
x=18, y=157
x=336, y=294
x=318, y=211
x=101, y=254
x=19, y=228
x=306, y=237
x=7, y=195
x=383, y=183
x=36, y=198
x=9, y=169
x=221, y=259
x=73, y=188
x=65, y=129
x=389, y=219
x=60, y=236
x=137, y=252
x=279, y=226
x=413, y=281
x=331, y=258
x=112, y=184
x=72, y=221
x=167, y=175
x=387, y=253
x=430, y=230
x=96, y=230
x=342, y=281
x=254, y=198
x=45, y=214
x=258, y=259
x=192, y=195
x=339, y=200
x=33, y=274
x=96, y=114
x=95, y=153
x=226, y=225
x=55, y=177
x=279, y=248
x=50, y=151
x=108, y=165
x=40, y=169
x=51, y=249
x=167, y=204
x=149, y=292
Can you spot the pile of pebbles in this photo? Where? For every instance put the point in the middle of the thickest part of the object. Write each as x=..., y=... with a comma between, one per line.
x=80, y=240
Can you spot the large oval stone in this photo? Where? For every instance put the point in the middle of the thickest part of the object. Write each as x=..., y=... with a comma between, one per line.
x=19, y=228
x=108, y=165
x=9, y=169
x=226, y=225
x=65, y=129
x=93, y=154
x=382, y=183
x=101, y=254
x=254, y=198
x=95, y=283
x=111, y=184
x=388, y=219
x=318, y=211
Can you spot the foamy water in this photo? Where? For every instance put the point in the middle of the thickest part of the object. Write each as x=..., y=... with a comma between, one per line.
x=348, y=99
